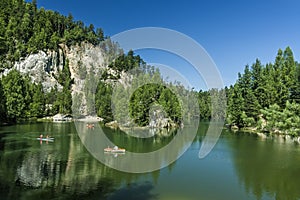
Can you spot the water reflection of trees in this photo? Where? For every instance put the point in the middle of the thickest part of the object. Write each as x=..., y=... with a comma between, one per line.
x=135, y=191
x=160, y=149
x=267, y=167
x=64, y=169
x=134, y=143
x=61, y=168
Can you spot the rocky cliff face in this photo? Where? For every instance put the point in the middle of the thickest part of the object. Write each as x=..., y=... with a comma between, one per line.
x=41, y=67
x=86, y=61
x=44, y=66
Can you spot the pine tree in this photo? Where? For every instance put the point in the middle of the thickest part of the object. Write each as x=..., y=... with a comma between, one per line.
x=235, y=106
x=103, y=101
x=266, y=91
x=37, y=106
x=51, y=106
x=120, y=105
x=259, y=83
x=295, y=91
x=289, y=73
x=251, y=105
x=64, y=98
x=14, y=90
x=204, y=104
x=2, y=103
x=282, y=92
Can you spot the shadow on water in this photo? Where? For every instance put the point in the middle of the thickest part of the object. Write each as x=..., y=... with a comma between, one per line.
x=98, y=191
x=134, y=192
x=160, y=138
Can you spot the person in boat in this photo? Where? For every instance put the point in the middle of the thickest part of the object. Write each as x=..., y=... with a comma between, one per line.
x=47, y=136
x=110, y=149
x=41, y=136
x=90, y=125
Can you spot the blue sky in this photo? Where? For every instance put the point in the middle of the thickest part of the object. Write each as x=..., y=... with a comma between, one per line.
x=234, y=33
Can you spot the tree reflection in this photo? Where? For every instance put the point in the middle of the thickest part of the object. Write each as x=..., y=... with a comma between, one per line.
x=267, y=167
x=135, y=192
x=64, y=169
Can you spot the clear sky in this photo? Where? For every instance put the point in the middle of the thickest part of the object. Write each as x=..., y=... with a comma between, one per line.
x=233, y=32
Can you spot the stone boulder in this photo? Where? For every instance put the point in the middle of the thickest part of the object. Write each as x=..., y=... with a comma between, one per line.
x=112, y=124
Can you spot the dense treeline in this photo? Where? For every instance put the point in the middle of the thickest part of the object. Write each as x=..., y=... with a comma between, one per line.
x=149, y=94
x=25, y=29
x=267, y=97
x=104, y=89
x=20, y=98
x=131, y=103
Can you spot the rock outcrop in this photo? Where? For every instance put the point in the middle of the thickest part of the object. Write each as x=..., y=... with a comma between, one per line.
x=41, y=67
x=158, y=118
x=112, y=124
x=86, y=63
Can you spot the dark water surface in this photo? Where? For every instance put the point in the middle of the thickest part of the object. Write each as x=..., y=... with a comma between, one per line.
x=241, y=166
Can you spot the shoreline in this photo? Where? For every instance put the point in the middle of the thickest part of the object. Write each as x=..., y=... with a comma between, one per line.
x=267, y=134
x=91, y=119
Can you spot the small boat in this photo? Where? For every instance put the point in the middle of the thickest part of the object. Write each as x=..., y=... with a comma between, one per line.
x=90, y=125
x=46, y=139
x=114, y=150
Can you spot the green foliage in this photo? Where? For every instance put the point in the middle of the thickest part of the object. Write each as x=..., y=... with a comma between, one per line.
x=14, y=91
x=235, y=106
x=126, y=62
x=295, y=91
x=149, y=94
x=21, y=98
x=25, y=29
x=89, y=92
x=283, y=121
x=267, y=93
x=133, y=103
x=51, y=105
x=64, y=98
x=77, y=105
x=120, y=105
x=204, y=104
x=218, y=103
x=103, y=101
x=37, y=106
x=2, y=103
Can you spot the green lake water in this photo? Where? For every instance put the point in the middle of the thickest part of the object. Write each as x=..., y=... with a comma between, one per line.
x=240, y=166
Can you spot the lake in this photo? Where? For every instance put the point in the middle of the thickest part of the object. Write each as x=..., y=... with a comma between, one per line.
x=240, y=166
